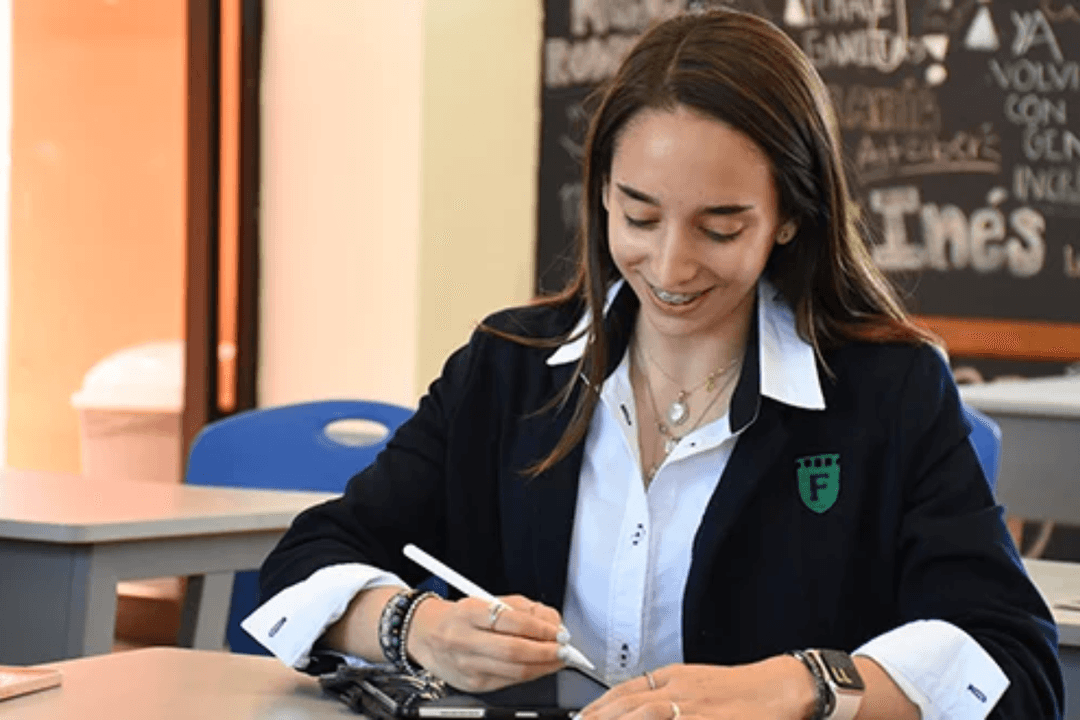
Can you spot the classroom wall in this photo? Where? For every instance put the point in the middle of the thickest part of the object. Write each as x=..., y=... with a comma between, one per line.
x=5, y=187
x=96, y=203
x=481, y=117
x=340, y=201
x=399, y=169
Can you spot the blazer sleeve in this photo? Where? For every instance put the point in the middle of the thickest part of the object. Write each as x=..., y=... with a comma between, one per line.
x=398, y=499
x=958, y=561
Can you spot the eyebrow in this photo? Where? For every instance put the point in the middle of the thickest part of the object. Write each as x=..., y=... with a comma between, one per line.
x=711, y=210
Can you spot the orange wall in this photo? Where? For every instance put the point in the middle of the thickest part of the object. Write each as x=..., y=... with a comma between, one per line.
x=97, y=203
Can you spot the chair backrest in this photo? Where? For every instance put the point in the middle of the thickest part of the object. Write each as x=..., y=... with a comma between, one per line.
x=284, y=448
x=986, y=439
x=287, y=447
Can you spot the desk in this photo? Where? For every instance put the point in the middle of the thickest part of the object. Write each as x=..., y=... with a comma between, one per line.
x=66, y=541
x=1058, y=582
x=177, y=684
x=1040, y=444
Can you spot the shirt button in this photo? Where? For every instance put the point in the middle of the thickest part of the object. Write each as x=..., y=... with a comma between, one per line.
x=638, y=535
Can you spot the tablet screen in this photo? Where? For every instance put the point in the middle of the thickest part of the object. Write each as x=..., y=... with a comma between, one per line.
x=566, y=690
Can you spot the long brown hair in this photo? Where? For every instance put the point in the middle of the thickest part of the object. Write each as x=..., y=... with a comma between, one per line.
x=743, y=71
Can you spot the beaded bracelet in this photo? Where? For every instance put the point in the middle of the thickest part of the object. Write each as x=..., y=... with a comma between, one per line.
x=394, y=624
x=821, y=690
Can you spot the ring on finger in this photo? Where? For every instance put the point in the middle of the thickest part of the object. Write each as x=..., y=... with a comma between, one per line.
x=649, y=679
x=493, y=612
x=675, y=712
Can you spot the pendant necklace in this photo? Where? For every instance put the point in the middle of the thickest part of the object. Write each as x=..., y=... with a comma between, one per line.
x=670, y=440
x=678, y=411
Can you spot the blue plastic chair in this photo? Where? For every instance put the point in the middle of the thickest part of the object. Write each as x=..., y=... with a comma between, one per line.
x=986, y=439
x=284, y=448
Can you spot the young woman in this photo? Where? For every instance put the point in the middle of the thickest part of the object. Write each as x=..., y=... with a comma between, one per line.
x=724, y=442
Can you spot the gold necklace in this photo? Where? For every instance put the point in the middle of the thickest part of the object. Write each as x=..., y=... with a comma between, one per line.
x=671, y=440
x=678, y=411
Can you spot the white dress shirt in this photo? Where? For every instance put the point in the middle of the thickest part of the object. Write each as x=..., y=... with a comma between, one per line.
x=630, y=549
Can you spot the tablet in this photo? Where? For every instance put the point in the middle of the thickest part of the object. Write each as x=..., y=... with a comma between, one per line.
x=559, y=695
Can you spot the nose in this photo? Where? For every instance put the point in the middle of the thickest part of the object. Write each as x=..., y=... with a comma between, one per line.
x=674, y=263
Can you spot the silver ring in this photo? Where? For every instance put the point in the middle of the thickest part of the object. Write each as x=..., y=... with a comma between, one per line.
x=493, y=612
x=649, y=679
x=675, y=712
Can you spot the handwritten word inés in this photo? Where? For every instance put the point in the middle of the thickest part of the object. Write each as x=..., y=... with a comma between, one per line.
x=905, y=155
x=908, y=108
x=986, y=240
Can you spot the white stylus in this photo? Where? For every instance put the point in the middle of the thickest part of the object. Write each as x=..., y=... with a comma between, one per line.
x=567, y=653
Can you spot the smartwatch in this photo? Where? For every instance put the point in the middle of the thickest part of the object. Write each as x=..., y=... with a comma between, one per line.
x=843, y=685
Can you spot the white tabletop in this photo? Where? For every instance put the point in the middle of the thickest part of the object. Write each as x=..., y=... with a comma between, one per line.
x=61, y=508
x=177, y=684
x=1059, y=583
x=1043, y=397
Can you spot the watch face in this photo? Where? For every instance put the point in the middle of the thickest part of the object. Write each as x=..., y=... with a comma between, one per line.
x=842, y=670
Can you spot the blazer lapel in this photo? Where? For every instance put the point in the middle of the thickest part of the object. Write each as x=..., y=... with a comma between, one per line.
x=553, y=496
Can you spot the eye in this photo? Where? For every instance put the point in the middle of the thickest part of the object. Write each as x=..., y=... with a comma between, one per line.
x=639, y=222
x=721, y=237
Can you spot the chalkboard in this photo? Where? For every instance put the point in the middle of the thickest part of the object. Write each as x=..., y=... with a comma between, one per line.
x=961, y=120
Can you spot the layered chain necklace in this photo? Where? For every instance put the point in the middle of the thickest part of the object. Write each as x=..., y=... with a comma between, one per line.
x=679, y=411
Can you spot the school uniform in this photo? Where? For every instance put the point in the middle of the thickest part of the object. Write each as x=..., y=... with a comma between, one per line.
x=835, y=505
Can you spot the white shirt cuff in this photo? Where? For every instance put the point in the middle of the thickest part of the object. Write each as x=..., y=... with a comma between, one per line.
x=940, y=668
x=289, y=623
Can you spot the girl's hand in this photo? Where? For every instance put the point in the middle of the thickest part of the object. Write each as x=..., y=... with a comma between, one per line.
x=476, y=647
x=779, y=688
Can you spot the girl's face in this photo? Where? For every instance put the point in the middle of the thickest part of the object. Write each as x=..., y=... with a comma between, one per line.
x=692, y=218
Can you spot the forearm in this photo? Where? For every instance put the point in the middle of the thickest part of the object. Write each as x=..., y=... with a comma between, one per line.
x=357, y=632
x=883, y=700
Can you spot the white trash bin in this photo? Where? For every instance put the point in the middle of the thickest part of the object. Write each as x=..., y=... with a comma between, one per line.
x=129, y=414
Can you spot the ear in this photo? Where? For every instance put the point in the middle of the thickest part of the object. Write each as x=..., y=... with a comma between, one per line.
x=605, y=189
x=786, y=233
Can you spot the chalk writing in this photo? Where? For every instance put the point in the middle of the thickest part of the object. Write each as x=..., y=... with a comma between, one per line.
x=599, y=17
x=908, y=108
x=881, y=50
x=1028, y=76
x=603, y=31
x=976, y=150
x=834, y=12
x=1058, y=184
x=1035, y=110
x=1072, y=262
x=1033, y=29
x=987, y=240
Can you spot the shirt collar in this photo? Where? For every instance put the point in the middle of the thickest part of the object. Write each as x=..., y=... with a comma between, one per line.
x=788, y=367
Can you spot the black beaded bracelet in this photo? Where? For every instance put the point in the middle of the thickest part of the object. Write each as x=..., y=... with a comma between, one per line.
x=821, y=690
x=394, y=624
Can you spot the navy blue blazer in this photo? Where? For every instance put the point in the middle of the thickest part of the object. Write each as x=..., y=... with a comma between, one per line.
x=914, y=532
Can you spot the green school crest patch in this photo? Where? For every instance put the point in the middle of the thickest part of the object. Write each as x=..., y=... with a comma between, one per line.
x=819, y=480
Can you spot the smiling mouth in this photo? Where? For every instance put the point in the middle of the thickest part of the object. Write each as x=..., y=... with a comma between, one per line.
x=675, y=298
